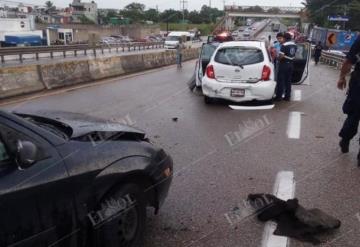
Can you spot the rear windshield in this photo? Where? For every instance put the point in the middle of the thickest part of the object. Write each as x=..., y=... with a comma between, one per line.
x=239, y=56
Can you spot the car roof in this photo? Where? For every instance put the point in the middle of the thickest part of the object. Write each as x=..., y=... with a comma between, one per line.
x=252, y=43
x=178, y=33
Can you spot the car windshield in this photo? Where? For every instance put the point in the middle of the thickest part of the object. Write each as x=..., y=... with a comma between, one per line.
x=172, y=38
x=239, y=56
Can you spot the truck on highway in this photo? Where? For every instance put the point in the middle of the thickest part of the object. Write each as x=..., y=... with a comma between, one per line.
x=276, y=27
x=333, y=39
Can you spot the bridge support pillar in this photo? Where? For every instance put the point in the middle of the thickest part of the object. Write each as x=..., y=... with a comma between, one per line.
x=229, y=23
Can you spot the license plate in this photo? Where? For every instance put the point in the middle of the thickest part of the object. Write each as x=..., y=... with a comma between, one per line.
x=237, y=92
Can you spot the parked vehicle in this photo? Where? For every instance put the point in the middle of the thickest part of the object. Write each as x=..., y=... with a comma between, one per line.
x=243, y=71
x=173, y=39
x=73, y=180
x=23, y=40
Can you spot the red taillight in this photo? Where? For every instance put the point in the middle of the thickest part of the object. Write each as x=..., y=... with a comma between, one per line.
x=210, y=73
x=265, y=76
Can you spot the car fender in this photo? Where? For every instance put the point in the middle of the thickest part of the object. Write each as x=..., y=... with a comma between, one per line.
x=121, y=172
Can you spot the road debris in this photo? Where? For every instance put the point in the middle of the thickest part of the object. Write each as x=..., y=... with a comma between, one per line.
x=292, y=219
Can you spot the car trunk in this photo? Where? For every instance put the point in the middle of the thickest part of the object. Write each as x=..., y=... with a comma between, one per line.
x=239, y=64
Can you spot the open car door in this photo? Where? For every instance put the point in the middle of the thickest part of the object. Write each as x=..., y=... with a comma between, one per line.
x=301, y=63
x=207, y=50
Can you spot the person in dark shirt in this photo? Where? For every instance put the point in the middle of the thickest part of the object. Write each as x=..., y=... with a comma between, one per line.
x=286, y=66
x=351, y=106
x=317, y=53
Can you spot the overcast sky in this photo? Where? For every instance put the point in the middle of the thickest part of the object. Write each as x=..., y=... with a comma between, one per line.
x=166, y=4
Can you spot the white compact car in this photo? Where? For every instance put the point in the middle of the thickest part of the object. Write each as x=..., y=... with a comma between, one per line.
x=243, y=71
x=239, y=71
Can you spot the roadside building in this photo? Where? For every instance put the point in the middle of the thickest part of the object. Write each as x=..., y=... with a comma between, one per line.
x=79, y=10
x=19, y=32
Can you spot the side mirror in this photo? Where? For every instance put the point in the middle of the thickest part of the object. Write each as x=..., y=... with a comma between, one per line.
x=26, y=154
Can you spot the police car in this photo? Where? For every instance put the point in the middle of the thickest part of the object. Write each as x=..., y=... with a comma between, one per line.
x=241, y=71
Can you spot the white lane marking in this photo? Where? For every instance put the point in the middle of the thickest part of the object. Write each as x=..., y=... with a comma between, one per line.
x=284, y=189
x=294, y=125
x=251, y=108
x=297, y=95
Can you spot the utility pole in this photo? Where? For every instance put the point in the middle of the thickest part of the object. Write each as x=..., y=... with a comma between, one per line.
x=210, y=3
x=183, y=6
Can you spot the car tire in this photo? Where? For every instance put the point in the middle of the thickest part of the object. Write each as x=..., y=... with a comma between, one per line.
x=127, y=227
x=207, y=100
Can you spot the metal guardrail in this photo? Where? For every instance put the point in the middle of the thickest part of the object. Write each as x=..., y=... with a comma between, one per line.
x=332, y=59
x=37, y=50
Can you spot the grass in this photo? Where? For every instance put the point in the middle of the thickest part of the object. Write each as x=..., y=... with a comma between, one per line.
x=205, y=29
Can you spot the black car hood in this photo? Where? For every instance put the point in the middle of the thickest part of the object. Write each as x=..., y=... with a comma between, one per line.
x=82, y=124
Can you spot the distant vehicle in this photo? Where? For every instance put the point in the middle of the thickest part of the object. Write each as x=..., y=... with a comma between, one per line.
x=276, y=27
x=246, y=33
x=66, y=170
x=173, y=39
x=22, y=40
x=236, y=33
x=122, y=39
x=243, y=71
x=110, y=41
x=249, y=22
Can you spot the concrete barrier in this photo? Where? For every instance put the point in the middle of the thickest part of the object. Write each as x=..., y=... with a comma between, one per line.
x=19, y=80
x=27, y=79
x=101, y=68
x=132, y=63
x=65, y=74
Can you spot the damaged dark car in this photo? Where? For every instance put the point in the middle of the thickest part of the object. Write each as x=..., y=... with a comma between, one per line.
x=72, y=180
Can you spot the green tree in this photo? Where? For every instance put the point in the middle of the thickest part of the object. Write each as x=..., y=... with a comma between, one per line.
x=194, y=17
x=152, y=15
x=85, y=20
x=210, y=15
x=171, y=15
x=320, y=10
x=254, y=9
x=104, y=16
x=274, y=10
x=134, y=11
x=50, y=7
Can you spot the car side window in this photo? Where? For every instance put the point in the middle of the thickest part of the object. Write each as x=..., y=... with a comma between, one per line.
x=4, y=155
x=11, y=137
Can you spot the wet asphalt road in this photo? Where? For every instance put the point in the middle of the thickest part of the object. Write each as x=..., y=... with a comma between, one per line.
x=213, y=177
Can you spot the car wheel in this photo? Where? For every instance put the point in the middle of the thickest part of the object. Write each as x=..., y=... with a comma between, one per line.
x=126, y=213
x=207, y=100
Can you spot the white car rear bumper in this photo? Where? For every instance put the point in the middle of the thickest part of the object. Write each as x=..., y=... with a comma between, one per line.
x=262, y=90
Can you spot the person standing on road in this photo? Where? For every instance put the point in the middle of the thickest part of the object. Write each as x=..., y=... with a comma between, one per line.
x=179, y=53
x=277, y=46
x=317, y=53
x=286, y=66
x=351, y=106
